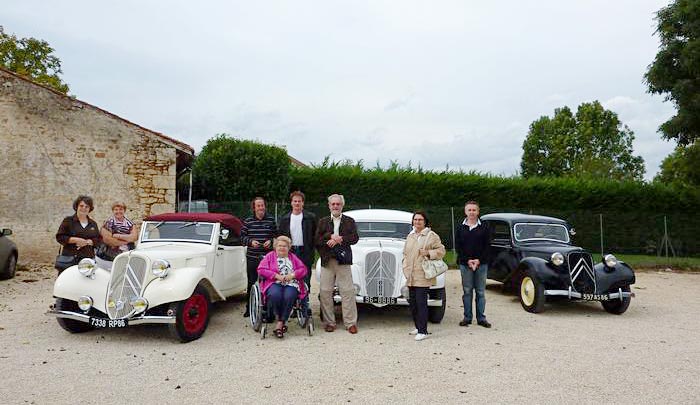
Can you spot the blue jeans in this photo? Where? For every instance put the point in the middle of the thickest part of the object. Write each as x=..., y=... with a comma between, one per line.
x=474, y=280
x=281, y=299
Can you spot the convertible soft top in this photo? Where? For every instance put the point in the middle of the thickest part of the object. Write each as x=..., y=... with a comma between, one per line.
x=229, y=221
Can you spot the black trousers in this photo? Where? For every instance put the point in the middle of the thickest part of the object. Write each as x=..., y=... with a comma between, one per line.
x=300, y=252
x=418, y=303
x=252, y=270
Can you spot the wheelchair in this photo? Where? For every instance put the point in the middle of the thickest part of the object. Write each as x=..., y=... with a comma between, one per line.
x=261, y=313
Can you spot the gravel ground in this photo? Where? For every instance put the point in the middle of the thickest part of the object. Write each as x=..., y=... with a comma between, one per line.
x=571, y=353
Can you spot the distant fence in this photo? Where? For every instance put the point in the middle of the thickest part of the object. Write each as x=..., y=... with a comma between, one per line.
x=624, y=231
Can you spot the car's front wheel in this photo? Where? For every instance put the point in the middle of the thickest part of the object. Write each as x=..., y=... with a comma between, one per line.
x=191, y=316
x=531, y=292
x=435, y=314
x=10, y=266
x=617, y=306
x=71, y=325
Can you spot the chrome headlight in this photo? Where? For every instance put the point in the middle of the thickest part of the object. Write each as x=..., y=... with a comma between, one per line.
x=404, y=291
x=557, y=259
x=140, y=304
x=160, y=268
x=610, y=260
x=86, y=267
x=357, y=289
x=85, y=303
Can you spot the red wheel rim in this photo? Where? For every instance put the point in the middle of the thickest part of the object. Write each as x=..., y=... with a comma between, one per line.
x=194, y=314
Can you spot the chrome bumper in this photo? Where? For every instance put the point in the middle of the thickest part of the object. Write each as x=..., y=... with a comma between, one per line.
x=573, y=294
x=132, y=321
x=399, y=301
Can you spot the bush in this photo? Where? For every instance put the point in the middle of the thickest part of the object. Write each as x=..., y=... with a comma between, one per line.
x=234, y=169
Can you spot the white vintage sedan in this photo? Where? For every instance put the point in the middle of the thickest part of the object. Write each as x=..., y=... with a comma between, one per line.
x=376, y=270
x=182, y=263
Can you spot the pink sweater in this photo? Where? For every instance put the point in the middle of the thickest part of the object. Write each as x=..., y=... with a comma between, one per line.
x=268, y=268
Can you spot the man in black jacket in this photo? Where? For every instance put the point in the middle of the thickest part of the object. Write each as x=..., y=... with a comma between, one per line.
x=300, y=226
x=335, y=234
x=472, y=243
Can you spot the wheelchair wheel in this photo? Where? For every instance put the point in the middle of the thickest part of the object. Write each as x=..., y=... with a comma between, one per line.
x=255, y=307
x=302, y=318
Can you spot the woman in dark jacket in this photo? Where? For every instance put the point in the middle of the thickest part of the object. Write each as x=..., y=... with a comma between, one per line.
x=78, y=233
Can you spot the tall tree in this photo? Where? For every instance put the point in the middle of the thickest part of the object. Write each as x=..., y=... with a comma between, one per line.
x=682, y=166
x=32, y=58
x=229, y=169
x=675, y=72
x=591, y=143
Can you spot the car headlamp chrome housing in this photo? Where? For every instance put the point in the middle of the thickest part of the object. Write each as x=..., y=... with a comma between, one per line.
x=160, y=268
x=610, y=261
x=139, y=304
x=357, y=289
x=85, y=303
x=557, y=259
x=86, y=267
x=404, y=291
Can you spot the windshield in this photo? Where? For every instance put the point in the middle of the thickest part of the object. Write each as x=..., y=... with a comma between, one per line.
x=383, y=229
x=177, y=230
x=532, y=231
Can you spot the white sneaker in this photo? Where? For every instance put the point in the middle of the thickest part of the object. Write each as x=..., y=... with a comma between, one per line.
x=413, y=332
x=421, y=336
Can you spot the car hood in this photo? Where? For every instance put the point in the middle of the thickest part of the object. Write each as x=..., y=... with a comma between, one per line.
x=172, y=250
x=545, y=250
x=371, y=244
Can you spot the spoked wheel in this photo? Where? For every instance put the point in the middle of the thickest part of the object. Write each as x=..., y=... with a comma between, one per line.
x=255, y=307
x=191, y=316
x=531, y=293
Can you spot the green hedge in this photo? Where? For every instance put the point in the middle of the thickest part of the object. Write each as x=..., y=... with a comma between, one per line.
x=632, y=212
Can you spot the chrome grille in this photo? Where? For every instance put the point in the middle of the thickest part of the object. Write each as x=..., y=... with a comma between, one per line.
x=380, y=269
x=581, y=272
x=126, y=283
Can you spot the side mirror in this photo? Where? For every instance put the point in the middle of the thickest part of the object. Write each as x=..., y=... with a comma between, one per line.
x=6, y=231
x=224, y=234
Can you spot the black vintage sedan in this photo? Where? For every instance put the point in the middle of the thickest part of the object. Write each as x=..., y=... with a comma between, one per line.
x=8, y=255
x=533, y=255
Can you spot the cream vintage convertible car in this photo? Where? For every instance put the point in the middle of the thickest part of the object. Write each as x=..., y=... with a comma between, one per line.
x=182, y=263
x=376, y=270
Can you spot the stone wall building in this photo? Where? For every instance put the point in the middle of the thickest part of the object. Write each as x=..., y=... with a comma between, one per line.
x=54, y=147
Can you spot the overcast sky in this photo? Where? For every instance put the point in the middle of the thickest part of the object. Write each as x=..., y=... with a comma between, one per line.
x=435, y=83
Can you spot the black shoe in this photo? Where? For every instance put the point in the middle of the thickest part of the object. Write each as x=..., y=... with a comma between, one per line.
x=246, y=314
x=464, y=322
x=484, y=323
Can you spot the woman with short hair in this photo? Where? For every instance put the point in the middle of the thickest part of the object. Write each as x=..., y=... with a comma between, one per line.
x=282, y=281
x=78, y=234
x=421, y=244
x=118, y=235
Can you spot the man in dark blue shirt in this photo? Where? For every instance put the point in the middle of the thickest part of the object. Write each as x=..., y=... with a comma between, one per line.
x=472, y=244
x=257, y=234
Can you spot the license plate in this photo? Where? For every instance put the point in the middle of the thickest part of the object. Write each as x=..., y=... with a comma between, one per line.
x=595, y=297
x=379, y=300
x=109, y=323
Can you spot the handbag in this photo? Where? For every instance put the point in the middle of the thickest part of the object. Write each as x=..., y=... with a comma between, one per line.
x=433, y=268
x=341, y=254
x=64, y=261
x=105, y=252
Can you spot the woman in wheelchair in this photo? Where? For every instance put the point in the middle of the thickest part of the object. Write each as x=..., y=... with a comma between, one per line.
x=282, y=281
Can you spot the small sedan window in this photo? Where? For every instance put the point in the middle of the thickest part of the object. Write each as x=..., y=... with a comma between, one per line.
x=533, y=231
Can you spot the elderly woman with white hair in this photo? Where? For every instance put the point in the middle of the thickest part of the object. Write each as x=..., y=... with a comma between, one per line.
x=282, y=281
